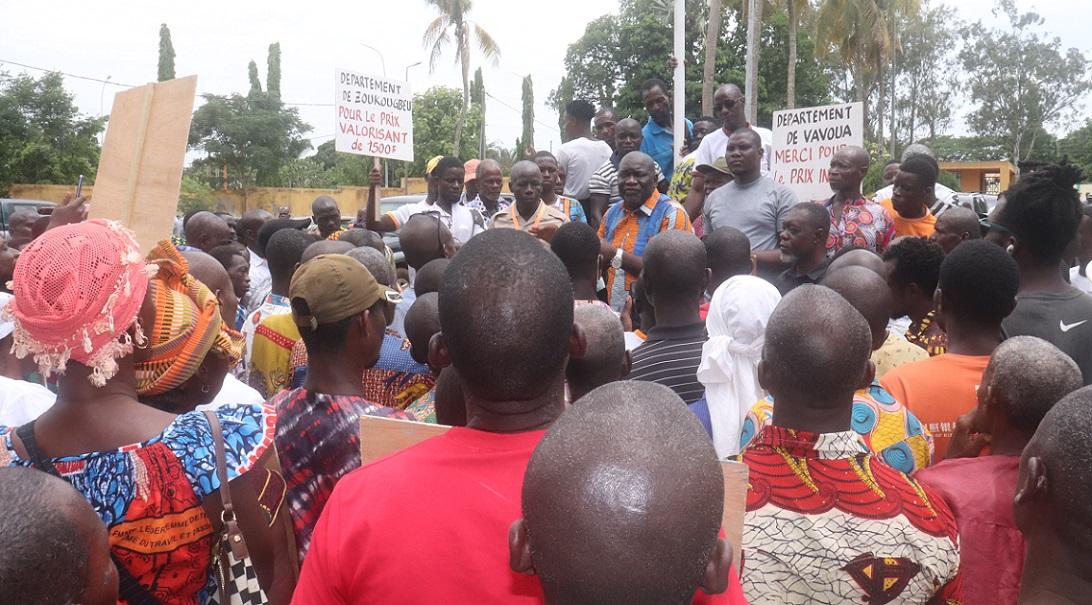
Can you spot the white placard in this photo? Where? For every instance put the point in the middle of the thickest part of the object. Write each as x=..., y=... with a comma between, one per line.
x=374, y=116
x=806, y=139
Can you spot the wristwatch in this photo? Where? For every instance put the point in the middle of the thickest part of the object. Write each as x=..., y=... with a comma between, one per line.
x=616, y=262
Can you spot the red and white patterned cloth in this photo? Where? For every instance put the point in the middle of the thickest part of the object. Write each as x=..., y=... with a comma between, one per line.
x=828, y=523
x=863, y=223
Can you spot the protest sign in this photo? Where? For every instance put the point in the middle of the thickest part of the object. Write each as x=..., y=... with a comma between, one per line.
x=806, y=139
x=140, y=168
x=374, y=116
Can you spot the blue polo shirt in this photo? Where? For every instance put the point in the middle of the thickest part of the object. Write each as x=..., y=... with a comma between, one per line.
x=659, y=142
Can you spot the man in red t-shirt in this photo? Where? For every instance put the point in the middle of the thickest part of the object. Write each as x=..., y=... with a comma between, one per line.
x=624, y=512
x=429, y=524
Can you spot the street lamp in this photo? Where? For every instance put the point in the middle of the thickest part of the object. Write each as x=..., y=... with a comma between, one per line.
x=102, y=95
x=407, y=70
x=382, y=61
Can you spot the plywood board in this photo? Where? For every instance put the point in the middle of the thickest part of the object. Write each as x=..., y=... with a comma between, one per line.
x=735, y=505
x=140, y=169
x=381, y=437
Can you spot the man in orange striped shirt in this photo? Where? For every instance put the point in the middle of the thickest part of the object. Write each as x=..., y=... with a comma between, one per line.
x=630, y=223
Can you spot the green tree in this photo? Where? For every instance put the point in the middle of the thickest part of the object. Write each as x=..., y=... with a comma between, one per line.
x=1077, y=146
x=477, y=88
x=43, y=137
x=255, y=81
x=926, y=83
x=435, y=117
x=250, y=138
x=528, y=135
x=1023, y=81
x=195, y=194
x=166, y=54
x=453, y=27
x=273, y=70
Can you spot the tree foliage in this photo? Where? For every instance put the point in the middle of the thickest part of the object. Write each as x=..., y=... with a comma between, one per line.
x=273, y=70
x=926, y=86
x=166, y=54
x=43, y=137
x=617, y=52
x=1023, y=81
x=435, y=113
x=1077, y=146
x=528, y=135
x=251, y=136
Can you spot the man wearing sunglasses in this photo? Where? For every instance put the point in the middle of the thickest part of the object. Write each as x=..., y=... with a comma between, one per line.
x=728, y=105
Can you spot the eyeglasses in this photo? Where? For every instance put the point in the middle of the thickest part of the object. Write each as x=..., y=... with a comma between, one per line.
x=727, y=103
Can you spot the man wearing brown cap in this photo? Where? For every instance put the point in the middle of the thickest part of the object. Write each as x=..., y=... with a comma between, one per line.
x=341, y=313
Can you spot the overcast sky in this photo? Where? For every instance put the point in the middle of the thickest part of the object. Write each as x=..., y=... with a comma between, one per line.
x=215, y=40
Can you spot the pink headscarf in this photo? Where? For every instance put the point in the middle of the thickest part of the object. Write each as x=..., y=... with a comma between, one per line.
x=78, y=289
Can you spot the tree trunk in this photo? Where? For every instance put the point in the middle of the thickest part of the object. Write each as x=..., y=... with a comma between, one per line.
x=754, y=40
x=464, y=59
x=790, y=85
x=708, y=70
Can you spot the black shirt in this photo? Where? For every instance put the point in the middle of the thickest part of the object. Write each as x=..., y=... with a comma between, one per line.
x=789, y=279
x=671, y=357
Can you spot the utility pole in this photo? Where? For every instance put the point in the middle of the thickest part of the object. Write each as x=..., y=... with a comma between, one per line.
x=679, y=110
x=894, y=53
x=751, y=97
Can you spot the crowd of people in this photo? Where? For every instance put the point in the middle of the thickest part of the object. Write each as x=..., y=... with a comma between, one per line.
x=905, y=381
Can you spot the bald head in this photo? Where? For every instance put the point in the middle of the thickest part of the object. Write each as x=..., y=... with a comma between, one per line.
x=525, y=169
x=728, y=254
x=429, y=277
x=636, y=178
x=729, y=106
x=210, y=272
x=606, y=359
x=854, y=156
x=859, y=258
x=423, y=238
x=1053, y=506
x=624, y=512
x=325, y=247
x=674, y=270
x=955, y=226
x=326, y=214
x=1027, y=376
x=817, y=352
x=249, y=226
x=422, y=323
x=375, y=262
x=868, y=293
x=206, y=231
x=55, y=546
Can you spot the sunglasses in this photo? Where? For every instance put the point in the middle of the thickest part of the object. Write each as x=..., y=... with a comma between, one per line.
x=728, y=104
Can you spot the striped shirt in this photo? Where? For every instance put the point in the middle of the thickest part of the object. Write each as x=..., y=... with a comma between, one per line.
x=626, y=229
x=604, y=181
x=671, y=357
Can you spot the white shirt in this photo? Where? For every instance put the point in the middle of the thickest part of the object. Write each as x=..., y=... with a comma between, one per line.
x=234, y=391
x=403, y=307
x=580, y=158
x=22, y=401
x=715, y=145
x=463, y=222
x=1079, y=281
x=260, y=281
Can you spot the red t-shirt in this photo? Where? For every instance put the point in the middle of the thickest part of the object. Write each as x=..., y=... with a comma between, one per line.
x=430, y=525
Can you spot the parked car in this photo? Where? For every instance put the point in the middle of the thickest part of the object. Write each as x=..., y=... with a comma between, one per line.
x=981, y=203
x=10, y=206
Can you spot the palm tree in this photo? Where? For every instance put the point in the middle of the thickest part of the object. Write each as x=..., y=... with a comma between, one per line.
x=708, y=73
x=795, y=9
x=452, y=26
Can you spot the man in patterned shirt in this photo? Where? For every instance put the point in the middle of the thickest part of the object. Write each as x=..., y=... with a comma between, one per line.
x=854, y=220
x=341, y=313
x=827, y=521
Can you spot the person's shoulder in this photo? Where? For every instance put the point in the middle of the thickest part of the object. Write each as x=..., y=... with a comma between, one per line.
x=418, y=460
x=556, y=214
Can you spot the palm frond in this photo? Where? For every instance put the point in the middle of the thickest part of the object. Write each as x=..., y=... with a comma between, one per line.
x=438, y=49
x=434, y=30
x=486, y=44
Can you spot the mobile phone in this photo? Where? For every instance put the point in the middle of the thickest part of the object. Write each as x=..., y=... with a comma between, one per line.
x=79, y=187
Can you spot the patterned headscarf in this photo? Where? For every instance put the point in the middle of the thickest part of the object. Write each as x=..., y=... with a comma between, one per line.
x=78, y=289
x=187, y=325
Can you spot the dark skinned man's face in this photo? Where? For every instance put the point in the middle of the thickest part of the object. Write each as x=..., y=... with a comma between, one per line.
x=889, y=173
x=715, y=180
x=527, y=187
x=700, y=130
x=744, y=156
x=844, y=173
x=327, y=219
x=729, y=107
x=908, y=197
x=490, y=184
x=449, y=185
x=604, y=126
x=797, y=238
x=658, y=105
x=636, y=181
x=627, y=138
x=549, y=174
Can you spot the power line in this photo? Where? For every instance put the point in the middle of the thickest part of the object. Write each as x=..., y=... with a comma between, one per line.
x=519, y=111
x=99, y=80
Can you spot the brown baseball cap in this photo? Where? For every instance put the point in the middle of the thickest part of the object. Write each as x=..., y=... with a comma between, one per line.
x=331, y=287
x=719, y=165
